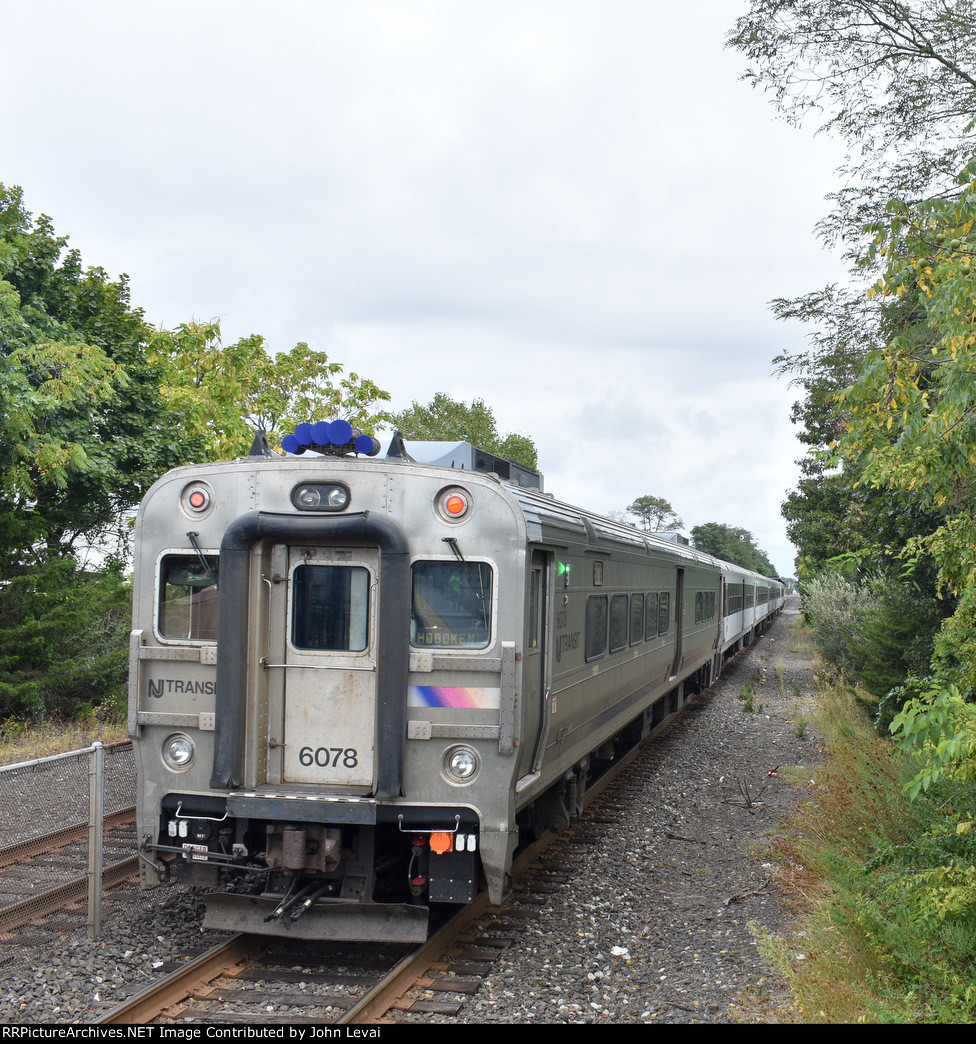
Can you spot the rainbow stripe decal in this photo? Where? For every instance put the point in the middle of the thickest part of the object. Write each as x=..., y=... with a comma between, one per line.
x=457, y=697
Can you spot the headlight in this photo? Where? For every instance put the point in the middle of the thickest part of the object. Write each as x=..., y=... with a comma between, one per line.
x=178, y=752
x=320, y=496
x=461, y=765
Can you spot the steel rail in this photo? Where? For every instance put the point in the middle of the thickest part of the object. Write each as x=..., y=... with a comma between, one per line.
x=55, y=898
x=144, y=1006
x=34, y=846
x=155, y=999
x=374, y=1005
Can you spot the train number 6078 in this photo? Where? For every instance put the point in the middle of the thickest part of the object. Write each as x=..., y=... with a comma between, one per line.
x=326, y=756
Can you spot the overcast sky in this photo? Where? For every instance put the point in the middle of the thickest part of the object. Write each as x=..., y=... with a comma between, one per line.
x=573, y=210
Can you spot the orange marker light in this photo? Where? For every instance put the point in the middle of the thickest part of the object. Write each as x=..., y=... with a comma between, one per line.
x=455, y=504
x=441, y=842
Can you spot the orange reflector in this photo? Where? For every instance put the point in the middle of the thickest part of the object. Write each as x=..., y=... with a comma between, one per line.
x=455, y=504
x=441, y=842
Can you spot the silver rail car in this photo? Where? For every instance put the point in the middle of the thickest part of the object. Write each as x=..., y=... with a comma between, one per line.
x=358, y=681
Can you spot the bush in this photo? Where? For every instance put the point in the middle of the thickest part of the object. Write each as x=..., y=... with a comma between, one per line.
x=63, y=641
x=875, y=631
x=889, y=883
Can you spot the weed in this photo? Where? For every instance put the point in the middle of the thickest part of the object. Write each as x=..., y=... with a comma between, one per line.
x=885, y=938
x=747, y=695
x=23, y=741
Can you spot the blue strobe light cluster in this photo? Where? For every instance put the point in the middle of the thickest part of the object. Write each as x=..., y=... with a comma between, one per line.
x=337, y=437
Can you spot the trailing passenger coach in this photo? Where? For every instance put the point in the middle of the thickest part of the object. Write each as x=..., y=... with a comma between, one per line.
x=359, y=682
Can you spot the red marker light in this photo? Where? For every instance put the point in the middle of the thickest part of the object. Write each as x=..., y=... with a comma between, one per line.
x=455, y=504
x=196, y=498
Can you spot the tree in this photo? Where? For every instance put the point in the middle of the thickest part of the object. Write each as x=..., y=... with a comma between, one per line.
x=83, y=433
x=911, y=425
x=732, y=544
x=897, y=82
x=446, y=419
x=84, y=429
x=655, y=514
x=95, y=405
x=64, y=640
x=222, y=393
x=894, y=79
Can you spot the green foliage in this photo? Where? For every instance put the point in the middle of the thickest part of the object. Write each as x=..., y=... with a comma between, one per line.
x=446, y=419
x=94, y=406
x=895, y=80
x=220, y=394
x=875, y=630
x=83, y=425
x=910, y=431
x=887, y=883
x=889, y=382
x=748, y=695
x=889, y=416
x=732, y=544
x=63, y=641
x=940, y=726
x=655, y=514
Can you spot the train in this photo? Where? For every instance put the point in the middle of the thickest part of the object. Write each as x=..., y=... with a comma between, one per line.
x=361, y=680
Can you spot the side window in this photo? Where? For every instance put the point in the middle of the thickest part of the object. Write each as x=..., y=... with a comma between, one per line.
x=636, y=618
x=650, y=616
x=330, y=608
x=618, y=622
x=664, y=613
x=187, y=602
x=451, y=605
x=596, y=626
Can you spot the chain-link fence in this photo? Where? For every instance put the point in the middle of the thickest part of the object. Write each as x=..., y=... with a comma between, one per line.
x=66, y=827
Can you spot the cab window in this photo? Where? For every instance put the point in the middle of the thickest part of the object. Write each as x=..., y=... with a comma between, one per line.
x=187, y=602
x=451, y=605
x=330, y=608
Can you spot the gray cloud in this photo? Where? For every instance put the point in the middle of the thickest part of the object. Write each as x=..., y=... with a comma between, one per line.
x=558, y=207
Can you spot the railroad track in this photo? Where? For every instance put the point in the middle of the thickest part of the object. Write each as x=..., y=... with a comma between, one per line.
x=33, y=879
x=252, y=979
x=255, y=980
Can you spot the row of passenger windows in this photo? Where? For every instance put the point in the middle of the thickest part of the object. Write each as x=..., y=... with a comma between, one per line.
x=616, y=621
x=744, y=596
x=704, y=606
x=740, y=596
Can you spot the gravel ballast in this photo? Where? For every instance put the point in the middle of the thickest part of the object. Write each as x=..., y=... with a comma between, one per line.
x=652, y=923
x=654, y=926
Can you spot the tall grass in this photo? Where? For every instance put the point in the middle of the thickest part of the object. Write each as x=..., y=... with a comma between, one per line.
x=858, y=857
x=25, y=741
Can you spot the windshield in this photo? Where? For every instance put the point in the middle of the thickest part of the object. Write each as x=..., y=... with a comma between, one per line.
x=451, y=605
